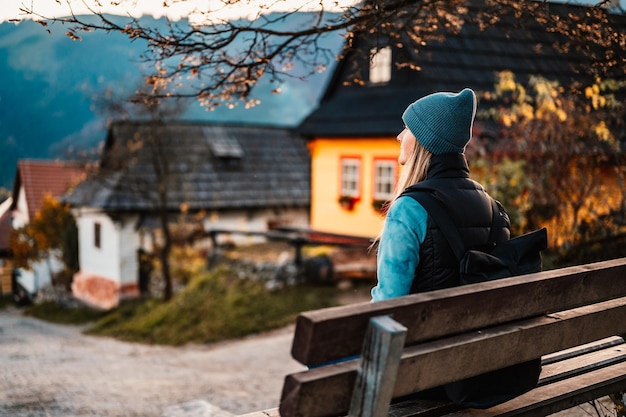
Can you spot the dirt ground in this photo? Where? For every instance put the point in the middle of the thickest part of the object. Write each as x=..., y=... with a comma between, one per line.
x=49, y=370
x=55, y=371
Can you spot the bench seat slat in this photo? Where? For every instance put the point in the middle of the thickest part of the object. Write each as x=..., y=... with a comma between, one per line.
x=333, y=333
x=582, y=349
x=572, y=366
x=559, y=396
x=550, y=374
x=427, y=365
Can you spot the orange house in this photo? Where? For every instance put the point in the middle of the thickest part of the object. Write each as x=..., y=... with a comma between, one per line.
x=352, y=132
x=352, y=178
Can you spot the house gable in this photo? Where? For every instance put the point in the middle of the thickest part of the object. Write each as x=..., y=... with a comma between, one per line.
x=35, y=179
x=363, y=118
x=470, y=59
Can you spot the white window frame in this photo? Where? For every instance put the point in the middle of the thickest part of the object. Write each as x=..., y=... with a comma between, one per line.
x=380, y=65
x=350, y=185
x=384, y=178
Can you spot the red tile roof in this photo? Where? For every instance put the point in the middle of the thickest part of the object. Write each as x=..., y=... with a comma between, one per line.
x=44, y=177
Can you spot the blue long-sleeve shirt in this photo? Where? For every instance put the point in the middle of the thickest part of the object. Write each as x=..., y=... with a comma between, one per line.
x=399, y=247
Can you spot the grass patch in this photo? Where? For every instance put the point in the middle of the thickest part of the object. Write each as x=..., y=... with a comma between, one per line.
x=214, y=306
x=52, y=312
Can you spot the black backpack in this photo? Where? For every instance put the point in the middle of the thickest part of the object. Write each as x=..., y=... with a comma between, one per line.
x=517, y=256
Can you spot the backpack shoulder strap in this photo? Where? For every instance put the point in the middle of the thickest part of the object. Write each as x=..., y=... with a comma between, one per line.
x=442, y=218
x=497, y=221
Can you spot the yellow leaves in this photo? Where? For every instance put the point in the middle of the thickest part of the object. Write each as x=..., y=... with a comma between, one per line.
x=252, y=103
x=507, y=119
x=544, y=102
x=320, y=68
x=72, y=36
x=506, y=82
x=526, y=111
x=593, y=94
x=132, y=32
x=603, y=132
x=45, y=231
x=592, y=90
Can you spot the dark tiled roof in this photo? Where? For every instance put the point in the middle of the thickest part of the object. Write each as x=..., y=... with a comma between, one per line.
x=44, y=177
x=470, y=59
x=212, y=167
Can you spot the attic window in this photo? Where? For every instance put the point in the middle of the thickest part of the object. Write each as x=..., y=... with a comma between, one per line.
x=224, y=146
x=380, y=65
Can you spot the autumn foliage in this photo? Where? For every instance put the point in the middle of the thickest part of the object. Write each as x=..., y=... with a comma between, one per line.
x=52, y=232
x=558, y=160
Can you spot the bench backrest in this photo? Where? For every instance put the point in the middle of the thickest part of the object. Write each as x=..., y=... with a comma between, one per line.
x=458, y=332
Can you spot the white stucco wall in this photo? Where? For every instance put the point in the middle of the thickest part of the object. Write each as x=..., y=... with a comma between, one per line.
x=20, y=214
x=116, y=258
x=128, y=246
x=255, y=221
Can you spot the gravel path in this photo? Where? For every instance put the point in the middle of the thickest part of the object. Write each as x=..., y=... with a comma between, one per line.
x=49, y=370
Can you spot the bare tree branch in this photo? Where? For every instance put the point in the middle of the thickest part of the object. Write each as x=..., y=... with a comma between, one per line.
x=220, y=61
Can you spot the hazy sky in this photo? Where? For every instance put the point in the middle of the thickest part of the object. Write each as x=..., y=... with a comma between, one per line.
x=177, y=8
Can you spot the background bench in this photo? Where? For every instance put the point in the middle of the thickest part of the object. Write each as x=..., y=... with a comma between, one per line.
x=569, y=317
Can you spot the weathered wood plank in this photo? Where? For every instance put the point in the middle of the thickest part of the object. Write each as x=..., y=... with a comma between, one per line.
x=320, y=391
x=435, y=363
x=582, y=349
x=554, y=371
x=329, y=334
x=378, y=367
x=422, y=408
x=573, y=366
x=559, y=396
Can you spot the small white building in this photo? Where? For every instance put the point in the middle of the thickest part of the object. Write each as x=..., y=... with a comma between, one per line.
x=236, y=177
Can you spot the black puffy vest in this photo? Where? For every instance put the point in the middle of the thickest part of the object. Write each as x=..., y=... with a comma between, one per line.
x=469, y=207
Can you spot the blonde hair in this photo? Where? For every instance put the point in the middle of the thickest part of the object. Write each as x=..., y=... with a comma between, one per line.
x=414, y=171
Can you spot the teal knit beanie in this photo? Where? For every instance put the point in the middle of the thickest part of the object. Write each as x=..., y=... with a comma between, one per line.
x=442, y=122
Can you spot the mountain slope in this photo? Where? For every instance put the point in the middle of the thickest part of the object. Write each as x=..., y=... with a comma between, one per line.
x=50, y=87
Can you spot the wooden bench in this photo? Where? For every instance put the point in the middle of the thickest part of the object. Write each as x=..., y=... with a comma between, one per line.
x=570, y=317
